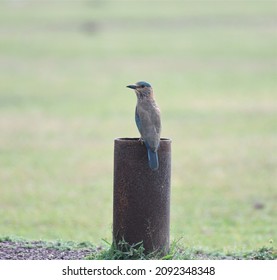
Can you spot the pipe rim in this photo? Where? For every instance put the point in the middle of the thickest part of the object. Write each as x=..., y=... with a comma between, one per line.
x=135, y=139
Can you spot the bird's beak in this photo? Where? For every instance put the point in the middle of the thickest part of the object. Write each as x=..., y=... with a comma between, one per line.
x=132, y=86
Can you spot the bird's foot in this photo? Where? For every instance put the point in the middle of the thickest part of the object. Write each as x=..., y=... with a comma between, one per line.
x=140, y=140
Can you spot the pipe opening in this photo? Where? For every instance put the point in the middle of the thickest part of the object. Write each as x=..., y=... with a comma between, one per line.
x=127, y=139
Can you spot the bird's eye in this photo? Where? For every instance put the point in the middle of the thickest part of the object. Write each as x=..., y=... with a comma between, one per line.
x=142, y=86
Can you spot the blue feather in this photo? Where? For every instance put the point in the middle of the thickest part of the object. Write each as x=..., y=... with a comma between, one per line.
x=138, y=122
x=153, y=159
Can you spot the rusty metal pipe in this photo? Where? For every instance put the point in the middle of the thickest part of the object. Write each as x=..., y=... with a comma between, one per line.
x=141, y=196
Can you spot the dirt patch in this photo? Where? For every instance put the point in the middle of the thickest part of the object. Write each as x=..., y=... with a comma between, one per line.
x=39, y=250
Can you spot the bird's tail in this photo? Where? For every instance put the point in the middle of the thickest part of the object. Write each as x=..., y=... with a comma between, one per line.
x=153, y=160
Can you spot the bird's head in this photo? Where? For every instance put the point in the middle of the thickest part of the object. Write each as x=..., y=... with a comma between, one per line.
x=142, y=89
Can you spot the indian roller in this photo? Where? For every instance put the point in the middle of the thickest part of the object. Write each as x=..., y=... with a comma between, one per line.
x=148, y=120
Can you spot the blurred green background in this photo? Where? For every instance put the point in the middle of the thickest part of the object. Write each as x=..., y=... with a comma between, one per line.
x=64, y=66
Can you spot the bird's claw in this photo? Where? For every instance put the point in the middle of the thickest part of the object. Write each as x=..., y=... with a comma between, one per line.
x=140, y=141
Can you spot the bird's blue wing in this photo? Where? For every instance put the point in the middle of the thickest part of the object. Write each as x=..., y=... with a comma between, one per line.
x=138, y=121
x=153, y=159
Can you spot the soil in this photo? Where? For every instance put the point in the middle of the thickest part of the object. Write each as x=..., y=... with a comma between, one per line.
x=39, y=250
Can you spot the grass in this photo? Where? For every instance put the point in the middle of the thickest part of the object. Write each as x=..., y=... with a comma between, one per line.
x=125, y=251
x=63, y=71
x=56, y=244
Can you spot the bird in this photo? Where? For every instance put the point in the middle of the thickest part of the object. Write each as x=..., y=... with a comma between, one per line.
x=148, y=121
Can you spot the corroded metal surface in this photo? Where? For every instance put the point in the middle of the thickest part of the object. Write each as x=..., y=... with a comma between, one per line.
x=141, y=207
